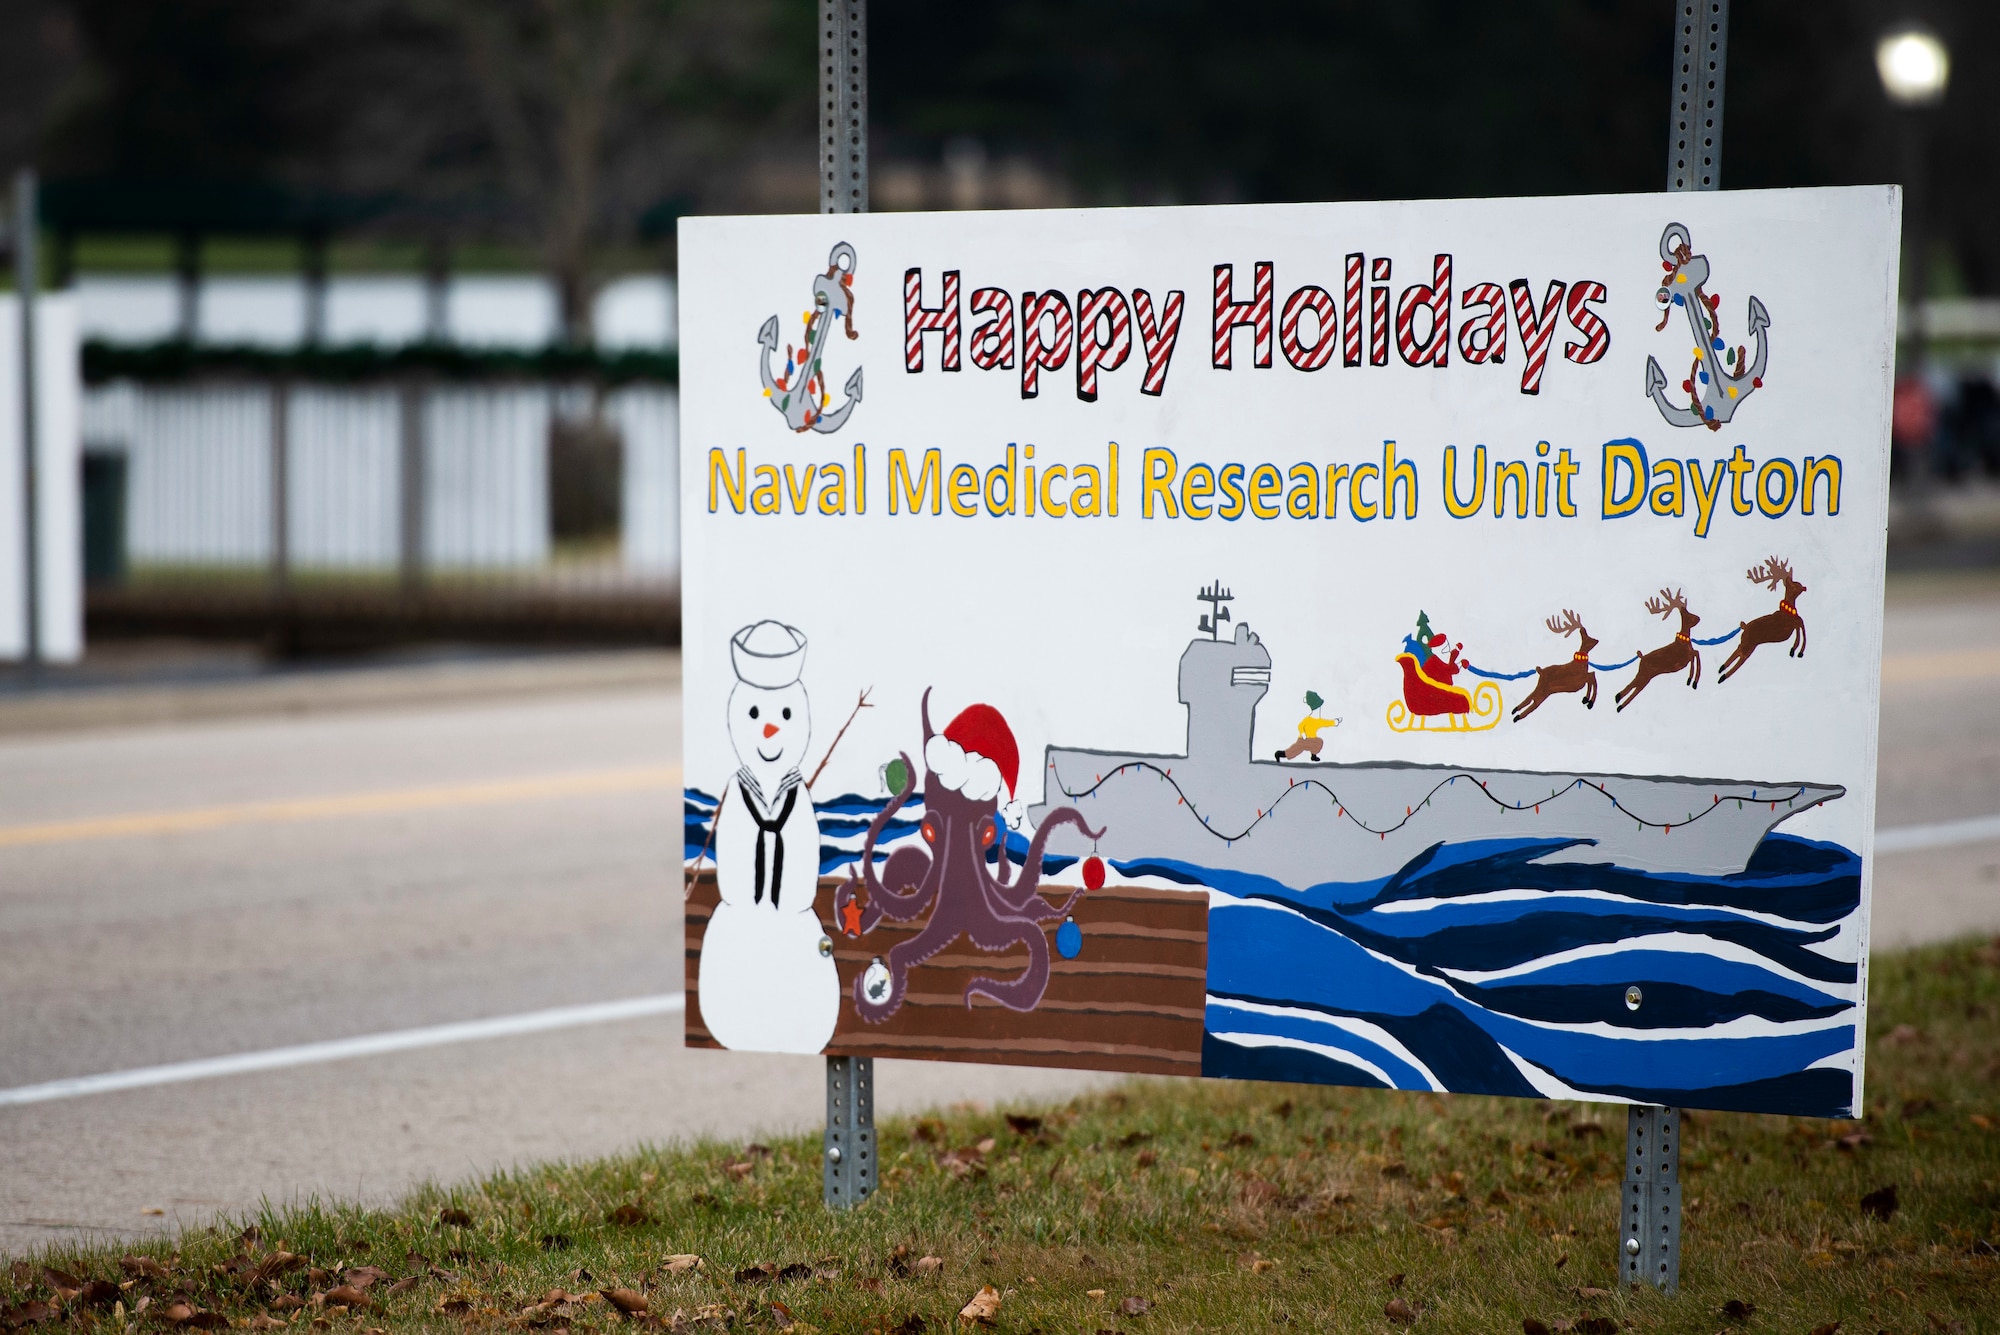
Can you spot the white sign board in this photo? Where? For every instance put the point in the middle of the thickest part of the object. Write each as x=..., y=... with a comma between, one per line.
x=1432, y=645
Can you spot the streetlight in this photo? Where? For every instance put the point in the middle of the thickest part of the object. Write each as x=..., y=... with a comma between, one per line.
x=1915, y=68
x=1914, y=65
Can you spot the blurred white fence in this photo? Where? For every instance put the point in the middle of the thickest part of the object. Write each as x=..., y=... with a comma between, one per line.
x=426, y=478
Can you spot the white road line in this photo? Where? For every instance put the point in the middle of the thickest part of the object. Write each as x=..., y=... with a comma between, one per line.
x=341, y=1049
x=1945, y=834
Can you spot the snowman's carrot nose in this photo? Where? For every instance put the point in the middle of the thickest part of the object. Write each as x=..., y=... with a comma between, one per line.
x=770, y=729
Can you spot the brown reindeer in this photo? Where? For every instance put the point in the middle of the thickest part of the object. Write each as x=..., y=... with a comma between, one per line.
x=1670, y=657
x=1783, y=624
x=1575, y=675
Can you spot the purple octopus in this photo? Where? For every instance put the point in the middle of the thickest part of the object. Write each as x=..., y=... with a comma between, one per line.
x=964, y=897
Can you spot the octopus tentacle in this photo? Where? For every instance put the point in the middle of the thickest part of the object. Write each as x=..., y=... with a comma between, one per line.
x=1024, y=991
x=883, y=901
x=903, y=957
x=1024, y=896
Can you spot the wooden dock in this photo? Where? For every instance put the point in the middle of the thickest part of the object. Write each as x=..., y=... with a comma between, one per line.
x=1132, y=1000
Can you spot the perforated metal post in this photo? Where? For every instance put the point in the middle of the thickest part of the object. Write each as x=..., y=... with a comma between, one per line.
x=1701, y=58
x=850, y=1131
x=1649, y=1226
x=843, y=188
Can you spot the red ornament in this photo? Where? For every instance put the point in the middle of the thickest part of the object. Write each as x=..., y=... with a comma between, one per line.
x=1756, y=382
x=1093, y=873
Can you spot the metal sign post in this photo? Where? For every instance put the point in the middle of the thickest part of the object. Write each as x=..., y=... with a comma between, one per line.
x=1649, y=1224
x=843, y=188
x=27, y=282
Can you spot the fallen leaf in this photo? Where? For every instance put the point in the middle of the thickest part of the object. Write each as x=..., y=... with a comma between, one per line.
x=1499, y=1196
x=362, y=1276
x=1400, y=1312
x=1240, y=1140
x=278, y=1263
x=263, y=1321
x=290, y=1302
x=1980, y=1120
x=557, y=1242
x=1917, y=1107
x=97, y=1293
x=1586, y=1291
x=1145, y=1158
x=681, y=1262
x=208, y=1321
x=1530, y=1326
x=1943, y=1326
x=1881, y=1202
x=1260, y=1265
x=345, y=1295
x=455, y=1217
x=1395, y=1168
x=1093, y=1293
x=870, y=1283
x=142, y=1267
x=177, y=1312
x=910, y=1325
x=1134, y=1306
x=453, y=1304
x=927, y=1265
x=781, y=1316
x=1826, y=1329
x=404, y=1285
x=31, y=1313
x=1396, y=1280
x=1854, y=1140
x=1258, y=1191
x=1596, y=1325
x=1131, y=1138
x=1562, y=1260
x=757, y=1274
x=1586, y=1131
x=629, y=1302
x=1022, y=1125
x=1738, y=1310
x=1903, y=1035
x=24, y=1274
x=628, y=1215
x=983, y=1307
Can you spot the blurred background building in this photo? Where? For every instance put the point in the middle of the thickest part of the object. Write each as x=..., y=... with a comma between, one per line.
x=375, y=299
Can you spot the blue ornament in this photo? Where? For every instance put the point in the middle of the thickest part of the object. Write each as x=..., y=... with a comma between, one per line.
x=1708, y=413
x=1704, y=377
x=1069, y=939
x=1679, y=300
x=1716, y=344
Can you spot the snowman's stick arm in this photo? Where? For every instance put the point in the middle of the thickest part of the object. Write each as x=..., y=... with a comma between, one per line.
x=714, y=824
x=860, y=705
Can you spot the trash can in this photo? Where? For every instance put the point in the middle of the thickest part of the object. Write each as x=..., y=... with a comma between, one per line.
x=103, y=517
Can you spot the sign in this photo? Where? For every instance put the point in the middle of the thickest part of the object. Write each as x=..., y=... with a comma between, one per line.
x=1426, y=645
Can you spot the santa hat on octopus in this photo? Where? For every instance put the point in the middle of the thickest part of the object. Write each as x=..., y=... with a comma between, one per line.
x=975, y=756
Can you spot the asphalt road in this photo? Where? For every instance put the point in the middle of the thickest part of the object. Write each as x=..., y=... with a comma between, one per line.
x=432, y=852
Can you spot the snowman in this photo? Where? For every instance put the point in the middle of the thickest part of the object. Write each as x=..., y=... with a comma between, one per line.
x=767, y=977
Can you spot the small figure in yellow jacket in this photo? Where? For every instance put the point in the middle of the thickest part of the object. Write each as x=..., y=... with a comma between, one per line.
x=1310, y=728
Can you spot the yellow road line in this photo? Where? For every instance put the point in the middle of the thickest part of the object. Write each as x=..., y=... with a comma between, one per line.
x=380, y=802
x=1942, y=666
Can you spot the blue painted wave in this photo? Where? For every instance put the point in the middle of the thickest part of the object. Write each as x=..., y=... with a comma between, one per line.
x=843, y=830
x=1477, y=970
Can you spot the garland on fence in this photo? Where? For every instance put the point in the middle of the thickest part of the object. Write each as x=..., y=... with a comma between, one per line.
x=1596, y=667
x=177, y=359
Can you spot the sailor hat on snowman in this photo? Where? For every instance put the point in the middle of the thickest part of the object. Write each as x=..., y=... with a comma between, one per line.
x=769, y=654
x=975, y=756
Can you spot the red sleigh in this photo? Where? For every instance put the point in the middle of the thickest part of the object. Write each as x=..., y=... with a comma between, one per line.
x=1432, y=703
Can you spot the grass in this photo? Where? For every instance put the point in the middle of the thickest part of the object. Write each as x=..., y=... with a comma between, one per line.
x=1217, y=1206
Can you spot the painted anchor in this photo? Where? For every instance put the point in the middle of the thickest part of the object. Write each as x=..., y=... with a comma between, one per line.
x=1714, y=394
x=800, y=393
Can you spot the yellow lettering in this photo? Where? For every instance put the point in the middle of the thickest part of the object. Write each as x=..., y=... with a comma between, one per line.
x=833, y=489
x=799, y=489
x=912, y=493
x=1396, y=475
x=1050, y=504
x=1669, y=493
x=1229, y=481
x=1828, y=468
x=1516, y=472
x=1085, y=497
x=1705, y=496
x=965, y=490
x=1158, y=482
x=1302, y=501
x=1334, y=472
x=1456, y=508
x=1197, y=486
x=718, y=468
x=765, y=498
x=1361, y=509
x=1265, y=484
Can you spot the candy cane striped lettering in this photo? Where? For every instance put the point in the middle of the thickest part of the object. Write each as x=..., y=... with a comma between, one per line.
x=1483, y=337
x=1378, y=315
x=1039, y=353
x=1535, y=330
x=1157, y=337
x=1320, y=303
x=919, y=319
x=1596, y=334
x=1104, y=336
x=1350, y=314
x=1256, y=312
x=1434, y=297
x=993, y=339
